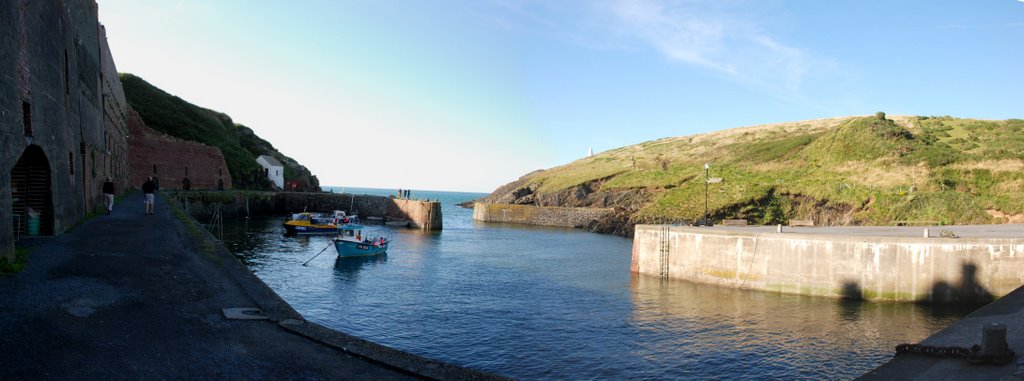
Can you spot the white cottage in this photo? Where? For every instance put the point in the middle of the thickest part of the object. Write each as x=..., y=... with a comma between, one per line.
x=273, y=168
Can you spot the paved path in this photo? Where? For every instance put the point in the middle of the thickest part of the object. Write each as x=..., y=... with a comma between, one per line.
x=964, y=333
x=962, y=231
x=130, y=296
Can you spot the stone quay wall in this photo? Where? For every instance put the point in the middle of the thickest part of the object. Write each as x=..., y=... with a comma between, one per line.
x=421, y=214
x=201, y=205
x=538, y=215
x=858, y=267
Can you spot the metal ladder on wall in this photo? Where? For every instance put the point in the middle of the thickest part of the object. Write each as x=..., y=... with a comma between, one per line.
x=663, y=251
x=217, y=224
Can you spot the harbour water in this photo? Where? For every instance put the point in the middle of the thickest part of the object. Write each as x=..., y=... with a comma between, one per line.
x=551, y=303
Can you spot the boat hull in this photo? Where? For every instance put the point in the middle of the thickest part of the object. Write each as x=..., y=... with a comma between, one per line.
x=358, y=249
x=310, y=229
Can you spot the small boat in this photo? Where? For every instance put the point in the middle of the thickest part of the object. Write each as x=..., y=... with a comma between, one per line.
x=316, y=223
x=398, y=223
x=351, y=242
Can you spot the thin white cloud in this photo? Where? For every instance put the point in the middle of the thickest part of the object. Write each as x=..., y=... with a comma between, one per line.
x=729, y=41
x=732, y=39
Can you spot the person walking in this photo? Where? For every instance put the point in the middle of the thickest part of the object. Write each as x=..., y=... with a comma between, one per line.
x=148, y=188
x=108, y=194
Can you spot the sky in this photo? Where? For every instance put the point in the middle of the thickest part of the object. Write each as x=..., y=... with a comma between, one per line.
x=469, y=95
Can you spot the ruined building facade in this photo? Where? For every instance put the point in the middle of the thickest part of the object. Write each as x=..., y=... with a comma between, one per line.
x=173, y=163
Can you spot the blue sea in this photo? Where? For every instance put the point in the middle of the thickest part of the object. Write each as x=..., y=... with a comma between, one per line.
x=550, y=303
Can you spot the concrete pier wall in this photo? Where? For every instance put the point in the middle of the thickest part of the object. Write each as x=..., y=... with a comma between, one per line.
x=872, y=268
x=538, y=215
x=421, y=214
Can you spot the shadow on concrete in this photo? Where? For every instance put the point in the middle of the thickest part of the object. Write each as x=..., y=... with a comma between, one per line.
x=852, y=292
x=944, y=300
x=969, y=291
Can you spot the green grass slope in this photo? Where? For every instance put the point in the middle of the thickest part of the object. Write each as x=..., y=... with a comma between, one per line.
x=239, y=145
x=869, y=170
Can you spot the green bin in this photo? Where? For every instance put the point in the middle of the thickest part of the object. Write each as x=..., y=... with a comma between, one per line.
x=33, y=226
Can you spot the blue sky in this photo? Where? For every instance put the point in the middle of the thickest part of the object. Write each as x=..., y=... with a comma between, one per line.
x=468, y=95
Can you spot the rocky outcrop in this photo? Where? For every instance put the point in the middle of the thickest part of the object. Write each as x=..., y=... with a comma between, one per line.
x=615, y=209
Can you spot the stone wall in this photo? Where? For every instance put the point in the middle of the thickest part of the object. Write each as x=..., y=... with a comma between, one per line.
x=538, y=215
x=424, y=215
x=171, y=160
x=872, y=268
x=53, y=99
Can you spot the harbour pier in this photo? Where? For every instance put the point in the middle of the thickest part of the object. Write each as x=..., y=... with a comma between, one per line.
x=952, y=264
x=420, y=214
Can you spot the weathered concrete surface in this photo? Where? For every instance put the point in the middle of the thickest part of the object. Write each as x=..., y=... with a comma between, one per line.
x=538, y=215
x=129, y=296
x=1008, y=310
x=422, y=214
x=895, y=264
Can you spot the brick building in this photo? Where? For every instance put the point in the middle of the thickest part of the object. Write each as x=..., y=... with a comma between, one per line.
x=62, y=117
x=175, y=163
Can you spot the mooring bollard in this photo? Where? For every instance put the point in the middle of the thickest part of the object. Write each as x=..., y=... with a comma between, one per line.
x=993, y=339
x=925, y=233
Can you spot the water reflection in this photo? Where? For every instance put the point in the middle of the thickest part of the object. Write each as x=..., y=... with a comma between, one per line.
x=347, y=268
x=743, y=331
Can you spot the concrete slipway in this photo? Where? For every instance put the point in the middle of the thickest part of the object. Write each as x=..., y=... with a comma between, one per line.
x=131, y=296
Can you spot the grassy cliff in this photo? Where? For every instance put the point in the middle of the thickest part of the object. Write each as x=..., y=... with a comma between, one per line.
x=872, y=170
x=176, y=117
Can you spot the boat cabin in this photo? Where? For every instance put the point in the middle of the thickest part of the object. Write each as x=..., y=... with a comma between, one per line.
x=353, y=232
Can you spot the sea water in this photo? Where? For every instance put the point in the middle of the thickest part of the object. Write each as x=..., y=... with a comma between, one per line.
x=550, y=303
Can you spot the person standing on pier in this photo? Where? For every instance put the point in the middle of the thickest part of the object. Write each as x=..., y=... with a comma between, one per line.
x=148, y=188
x=108, y=194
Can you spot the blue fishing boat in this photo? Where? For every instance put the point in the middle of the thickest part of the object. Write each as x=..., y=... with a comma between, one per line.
x=351, y=242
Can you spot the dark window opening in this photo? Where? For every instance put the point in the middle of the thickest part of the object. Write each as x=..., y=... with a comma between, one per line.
x=26, y=117
x=154, y=169
x=186, y=171
x=67, y=82
x=71, y=162
x=30, y=189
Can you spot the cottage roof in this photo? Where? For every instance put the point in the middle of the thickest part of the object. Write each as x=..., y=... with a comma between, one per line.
x=271, y=160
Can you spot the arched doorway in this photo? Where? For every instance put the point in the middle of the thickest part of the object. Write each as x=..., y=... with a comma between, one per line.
x=30, y=186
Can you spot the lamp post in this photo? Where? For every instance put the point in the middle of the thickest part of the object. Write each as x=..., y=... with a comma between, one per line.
x=705, y=222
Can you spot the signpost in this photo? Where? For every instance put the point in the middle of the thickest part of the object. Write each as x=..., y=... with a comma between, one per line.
x=707, y=180
x=704, y=222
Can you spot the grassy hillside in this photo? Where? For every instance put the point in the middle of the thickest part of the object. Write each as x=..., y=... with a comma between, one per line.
x=869, y=170
x=176, y=117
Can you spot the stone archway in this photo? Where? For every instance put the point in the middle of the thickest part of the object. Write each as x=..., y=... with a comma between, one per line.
x=30, y=187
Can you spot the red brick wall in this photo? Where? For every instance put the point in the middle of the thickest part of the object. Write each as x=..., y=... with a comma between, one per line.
x=148, y=148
